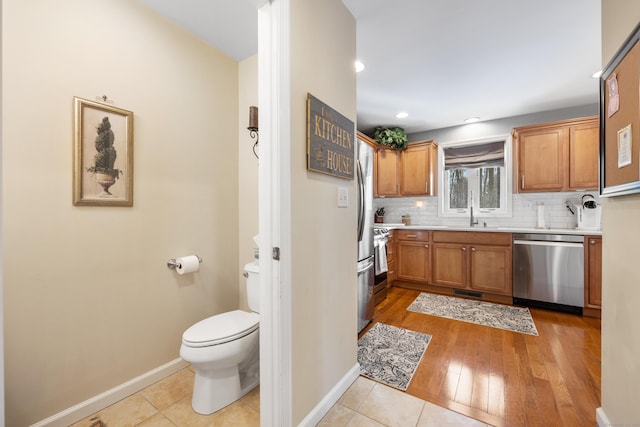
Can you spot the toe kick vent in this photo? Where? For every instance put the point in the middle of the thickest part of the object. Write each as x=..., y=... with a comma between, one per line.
x=469, y=294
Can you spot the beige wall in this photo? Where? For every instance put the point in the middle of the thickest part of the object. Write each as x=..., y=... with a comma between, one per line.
x=324, y=330
x=247, y=168
x=89, y=302
x=621, y=276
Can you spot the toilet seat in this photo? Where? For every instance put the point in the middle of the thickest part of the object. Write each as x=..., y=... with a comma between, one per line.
x=221, y=328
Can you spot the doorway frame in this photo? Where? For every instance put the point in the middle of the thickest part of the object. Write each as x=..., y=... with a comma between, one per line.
x=275, y=213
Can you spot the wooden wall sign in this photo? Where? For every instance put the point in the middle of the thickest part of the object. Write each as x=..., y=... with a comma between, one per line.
x=620, y=121
x=330, y=140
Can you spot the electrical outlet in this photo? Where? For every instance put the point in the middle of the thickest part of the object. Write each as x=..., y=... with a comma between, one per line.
x=343, y=197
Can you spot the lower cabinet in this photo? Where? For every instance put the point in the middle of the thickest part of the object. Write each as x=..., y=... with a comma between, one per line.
x=449, y=264
x=592, y=275
x=472, y=265
x=392, y=271
x=413, y=260
x=476, y=264
x=490, y=269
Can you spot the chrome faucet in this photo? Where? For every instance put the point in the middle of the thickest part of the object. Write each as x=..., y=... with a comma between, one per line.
x=472, y=221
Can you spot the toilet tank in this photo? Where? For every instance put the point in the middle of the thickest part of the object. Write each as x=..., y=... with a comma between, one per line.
x=252, y=273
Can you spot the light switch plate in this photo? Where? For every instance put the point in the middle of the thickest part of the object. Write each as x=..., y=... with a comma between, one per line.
x=343, y=197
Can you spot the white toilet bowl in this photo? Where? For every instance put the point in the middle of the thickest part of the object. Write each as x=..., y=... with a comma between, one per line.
x=224, y=352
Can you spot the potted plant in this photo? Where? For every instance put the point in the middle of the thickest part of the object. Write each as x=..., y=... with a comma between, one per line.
x=104, y=161
x=394, y=138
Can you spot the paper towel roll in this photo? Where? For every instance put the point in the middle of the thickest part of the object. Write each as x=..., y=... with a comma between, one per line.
x=540, y=209
x=187, y=264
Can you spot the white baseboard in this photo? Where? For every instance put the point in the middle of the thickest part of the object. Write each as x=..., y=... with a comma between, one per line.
x=330, y=399
x=109, y=397
x=601, y=418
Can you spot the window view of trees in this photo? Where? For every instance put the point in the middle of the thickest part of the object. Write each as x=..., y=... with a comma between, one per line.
x=489, y=188
x=485, y=182
x=459, y=189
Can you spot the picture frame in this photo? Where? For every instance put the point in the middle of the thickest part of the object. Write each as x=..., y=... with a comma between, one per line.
x=620, y=120
x=102, y=155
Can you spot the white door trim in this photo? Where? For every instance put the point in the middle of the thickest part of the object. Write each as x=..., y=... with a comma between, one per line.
x=275, y=213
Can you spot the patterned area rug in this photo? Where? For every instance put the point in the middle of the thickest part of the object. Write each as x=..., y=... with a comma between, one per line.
x=390, y=355
x=516, y=319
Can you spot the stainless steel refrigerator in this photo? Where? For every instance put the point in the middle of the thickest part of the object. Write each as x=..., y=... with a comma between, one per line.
x=364, y=173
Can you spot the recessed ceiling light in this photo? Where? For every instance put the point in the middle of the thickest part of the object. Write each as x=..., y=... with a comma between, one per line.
x=359, y=66
x=472, y=120
x=597, y=74
x=402, y=115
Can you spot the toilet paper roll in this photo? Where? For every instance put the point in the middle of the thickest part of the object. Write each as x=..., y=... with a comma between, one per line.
x=187, y=264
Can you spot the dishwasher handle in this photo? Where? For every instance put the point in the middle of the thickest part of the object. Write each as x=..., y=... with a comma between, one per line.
x=547, y=243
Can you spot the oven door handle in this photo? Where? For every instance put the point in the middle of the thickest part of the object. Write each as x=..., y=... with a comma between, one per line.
x=367, y=266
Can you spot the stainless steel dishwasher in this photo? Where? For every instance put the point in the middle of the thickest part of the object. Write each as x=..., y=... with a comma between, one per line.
x=548, y=271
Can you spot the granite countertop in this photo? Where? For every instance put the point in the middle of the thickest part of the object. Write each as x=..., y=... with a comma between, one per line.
x=502, y=229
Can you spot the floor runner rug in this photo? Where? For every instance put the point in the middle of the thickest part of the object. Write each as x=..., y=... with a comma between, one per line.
x=390, y=355
x=516, y=319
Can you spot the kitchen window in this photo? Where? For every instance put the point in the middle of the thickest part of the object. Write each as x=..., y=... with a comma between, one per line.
x=476, y=173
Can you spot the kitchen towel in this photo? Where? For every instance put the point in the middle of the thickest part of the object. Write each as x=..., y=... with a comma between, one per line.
x=380, y=255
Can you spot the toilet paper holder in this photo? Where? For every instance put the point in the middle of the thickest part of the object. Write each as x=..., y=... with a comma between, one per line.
x=172, y=263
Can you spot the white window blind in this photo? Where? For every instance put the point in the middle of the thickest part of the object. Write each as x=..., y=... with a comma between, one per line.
x=474, y=156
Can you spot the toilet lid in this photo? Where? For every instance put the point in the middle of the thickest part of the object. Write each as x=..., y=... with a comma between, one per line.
x=221, y=328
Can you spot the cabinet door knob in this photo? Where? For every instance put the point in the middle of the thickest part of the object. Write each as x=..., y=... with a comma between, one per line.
x=463, y=248
x=426, y=246
x=593, y=242
x=473, y=249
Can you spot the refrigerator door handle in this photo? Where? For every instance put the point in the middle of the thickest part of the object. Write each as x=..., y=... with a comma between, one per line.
x=361, y=207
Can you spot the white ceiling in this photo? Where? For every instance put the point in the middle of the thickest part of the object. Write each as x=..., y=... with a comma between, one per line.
x=441, y=61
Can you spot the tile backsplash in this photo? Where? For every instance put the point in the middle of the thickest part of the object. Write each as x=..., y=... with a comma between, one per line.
x=424, y=210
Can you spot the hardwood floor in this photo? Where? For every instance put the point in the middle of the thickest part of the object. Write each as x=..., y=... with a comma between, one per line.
x=505, y=378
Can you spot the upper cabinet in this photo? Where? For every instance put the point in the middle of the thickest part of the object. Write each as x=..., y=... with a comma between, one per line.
x=558, y=156
x=410, y=172
x=386, y=169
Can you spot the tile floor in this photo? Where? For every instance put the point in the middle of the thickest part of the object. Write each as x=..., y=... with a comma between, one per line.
x=365, y=404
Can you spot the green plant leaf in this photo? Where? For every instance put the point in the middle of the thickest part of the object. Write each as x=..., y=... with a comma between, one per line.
x=394, y=138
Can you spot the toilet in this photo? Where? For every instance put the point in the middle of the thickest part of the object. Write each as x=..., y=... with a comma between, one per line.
x=224, y=352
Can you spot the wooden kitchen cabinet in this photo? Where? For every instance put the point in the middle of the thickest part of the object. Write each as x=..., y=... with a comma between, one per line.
x=392, y=273
x=410, y=172
x=592, y=275
x=386, y=172
x=557, y=156
x=418, y=169
x=477, y=262
x=413, y=261
x=449, y=264
x=584, y=152
x=490, y=269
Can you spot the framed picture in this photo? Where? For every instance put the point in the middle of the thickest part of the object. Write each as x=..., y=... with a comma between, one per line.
x=620, y=121
x=102, y=155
